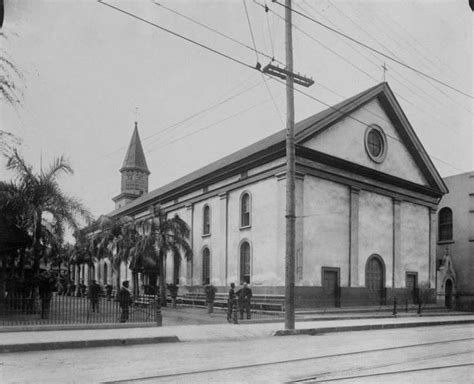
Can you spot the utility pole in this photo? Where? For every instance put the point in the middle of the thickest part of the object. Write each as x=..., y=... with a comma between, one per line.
x=290, y=177
x=291, y=78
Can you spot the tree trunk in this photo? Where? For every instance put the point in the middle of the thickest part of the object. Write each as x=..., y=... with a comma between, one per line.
x=162, y=279
x=3, y=274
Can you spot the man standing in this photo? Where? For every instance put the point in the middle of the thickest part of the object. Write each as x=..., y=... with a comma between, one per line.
x=232, y=306
x=125, y=300
x=245, y=295
x=94, y=293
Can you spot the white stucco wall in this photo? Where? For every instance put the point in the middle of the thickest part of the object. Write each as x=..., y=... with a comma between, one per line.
x=375, y=232
x=261, y=235
x=326, y=229
x=414, y=250
x=346, y=140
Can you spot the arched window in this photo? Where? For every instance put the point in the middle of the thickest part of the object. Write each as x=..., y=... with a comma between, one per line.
x=245, y=207
x=245, y=262
x=445, y=225
x=206, y=266
x=206, y=220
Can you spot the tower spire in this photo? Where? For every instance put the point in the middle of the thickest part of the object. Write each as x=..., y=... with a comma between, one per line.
x=134, y=172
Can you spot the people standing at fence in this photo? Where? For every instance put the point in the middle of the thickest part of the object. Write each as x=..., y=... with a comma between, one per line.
x=210, y=291
x=108, y=290
x=46, y=283
x=245, y=297
x=94, y=294
x=232, y=305
x=124, y=298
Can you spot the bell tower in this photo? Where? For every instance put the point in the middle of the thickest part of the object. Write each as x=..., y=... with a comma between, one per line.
x=134, y=172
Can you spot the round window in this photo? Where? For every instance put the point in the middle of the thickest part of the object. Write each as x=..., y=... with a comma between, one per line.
x=375, y=143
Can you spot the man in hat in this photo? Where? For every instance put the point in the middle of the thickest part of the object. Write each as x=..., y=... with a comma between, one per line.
x=245, y=295
x=232, y=305
x=94, y=293
x=124, y=298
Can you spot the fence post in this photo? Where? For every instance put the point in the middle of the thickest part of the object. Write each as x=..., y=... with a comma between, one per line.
x=158, y=317
x=394, y=306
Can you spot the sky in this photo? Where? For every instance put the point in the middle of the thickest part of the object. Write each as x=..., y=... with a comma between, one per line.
x=89, y=72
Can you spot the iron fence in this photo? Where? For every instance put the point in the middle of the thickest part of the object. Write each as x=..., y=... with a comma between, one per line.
x=62, y=309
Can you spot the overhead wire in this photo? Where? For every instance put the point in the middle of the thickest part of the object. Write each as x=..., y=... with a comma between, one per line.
x=249, y=66
x=269, y=30
x=176, y=34
x=176, y=125
x=430, y=115
x=214, y=30
x=200, y=112
x=210, y=125
x=251, y=31
x=371, y=36
x=374, y=50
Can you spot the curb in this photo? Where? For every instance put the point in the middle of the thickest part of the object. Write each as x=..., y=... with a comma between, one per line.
x=368, y=327
x=30, y=347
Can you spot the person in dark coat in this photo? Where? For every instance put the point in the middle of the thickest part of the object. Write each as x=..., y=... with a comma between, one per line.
x=94, y=294
x=46, y=283
x=108, y=290
x=124, y=297
x=232, y=305
x=245, y=296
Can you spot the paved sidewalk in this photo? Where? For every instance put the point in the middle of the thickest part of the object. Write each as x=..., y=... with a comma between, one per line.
x=62, y=339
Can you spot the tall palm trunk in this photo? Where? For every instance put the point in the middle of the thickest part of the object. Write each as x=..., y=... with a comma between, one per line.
x=162, y=279
x=37, y=244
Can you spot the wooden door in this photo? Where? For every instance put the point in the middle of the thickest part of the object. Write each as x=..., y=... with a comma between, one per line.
x=330, y=288
x=374, y=280
x=412, y=285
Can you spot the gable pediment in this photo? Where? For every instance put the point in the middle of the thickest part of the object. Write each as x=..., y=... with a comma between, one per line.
x=348, y=134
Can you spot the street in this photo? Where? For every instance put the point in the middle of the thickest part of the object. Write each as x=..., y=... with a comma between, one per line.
x=421, y=355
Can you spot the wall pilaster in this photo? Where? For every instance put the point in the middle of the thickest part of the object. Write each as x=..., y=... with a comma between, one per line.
x=354, y=238
x=396, y=244
x=432, y=249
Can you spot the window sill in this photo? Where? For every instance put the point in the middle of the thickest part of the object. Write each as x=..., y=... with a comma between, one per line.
x=246, y=227
x=206, y=235
x=443, y=242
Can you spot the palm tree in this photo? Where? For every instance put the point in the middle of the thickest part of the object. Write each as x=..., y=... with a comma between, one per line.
x=42, y=194
x=165, y=236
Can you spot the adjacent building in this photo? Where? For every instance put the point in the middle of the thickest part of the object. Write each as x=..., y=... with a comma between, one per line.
x=455, y=243
x=367, y=195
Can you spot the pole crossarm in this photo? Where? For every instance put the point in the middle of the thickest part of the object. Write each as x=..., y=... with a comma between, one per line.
x=282, y=73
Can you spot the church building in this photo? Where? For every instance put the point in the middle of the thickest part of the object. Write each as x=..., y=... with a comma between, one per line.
x=366, y=200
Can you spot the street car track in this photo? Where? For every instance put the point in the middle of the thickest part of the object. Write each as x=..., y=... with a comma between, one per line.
x=244, y=366
x=314, y=379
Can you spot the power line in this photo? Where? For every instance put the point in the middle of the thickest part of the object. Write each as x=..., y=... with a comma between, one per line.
x=249, y=66
x=216, y=31
x=269, y=30
x=371, y=36
x=193, y=115
x=177, y=34
x=175, y=125
x=210, y=125
x=251, y=31
x=374, y=50
x=273, y=100
x=430, y=115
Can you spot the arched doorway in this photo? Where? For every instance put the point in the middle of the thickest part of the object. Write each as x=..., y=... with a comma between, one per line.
x=374, y=279
x=448, y=300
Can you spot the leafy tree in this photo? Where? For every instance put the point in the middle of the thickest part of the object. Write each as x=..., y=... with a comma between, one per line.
x=164, y=236
x=44, y=201
x=11, y=85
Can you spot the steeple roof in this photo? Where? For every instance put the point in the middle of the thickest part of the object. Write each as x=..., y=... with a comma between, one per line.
x=135, y=157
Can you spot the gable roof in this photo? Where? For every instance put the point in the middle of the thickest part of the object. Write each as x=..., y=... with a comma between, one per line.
x=135, y=158
x=304, y=129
